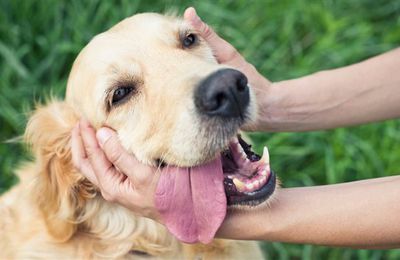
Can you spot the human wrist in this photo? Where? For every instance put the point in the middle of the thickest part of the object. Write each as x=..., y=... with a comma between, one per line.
x=271, y=111
x=264, y=223
x=242, y=225
x=287, y=105
x=260, y=91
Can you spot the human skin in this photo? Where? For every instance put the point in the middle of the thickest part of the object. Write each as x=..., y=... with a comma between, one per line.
x=365, y=92
x=361, y=214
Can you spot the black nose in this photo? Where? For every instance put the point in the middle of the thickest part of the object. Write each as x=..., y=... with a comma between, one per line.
x=224, y=93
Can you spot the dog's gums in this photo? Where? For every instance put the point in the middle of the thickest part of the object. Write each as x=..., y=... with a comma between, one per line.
x=248, y=179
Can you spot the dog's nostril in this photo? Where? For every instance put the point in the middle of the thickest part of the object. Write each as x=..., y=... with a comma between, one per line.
x=220, y=99
x=241, y=84
x=240, y=88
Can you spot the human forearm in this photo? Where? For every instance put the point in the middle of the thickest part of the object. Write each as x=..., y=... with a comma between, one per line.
x=364, y=92
x=362, y=214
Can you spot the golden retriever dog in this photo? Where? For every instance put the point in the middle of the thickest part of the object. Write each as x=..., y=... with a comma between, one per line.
x=156, y=82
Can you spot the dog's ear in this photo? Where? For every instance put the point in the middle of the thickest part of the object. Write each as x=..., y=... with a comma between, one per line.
x=60, y=190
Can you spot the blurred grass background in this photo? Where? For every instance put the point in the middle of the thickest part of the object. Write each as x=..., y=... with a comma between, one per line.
x=283, y=39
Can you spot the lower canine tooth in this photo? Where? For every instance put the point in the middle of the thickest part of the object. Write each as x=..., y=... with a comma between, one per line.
x=265, y=156
x=240, y=186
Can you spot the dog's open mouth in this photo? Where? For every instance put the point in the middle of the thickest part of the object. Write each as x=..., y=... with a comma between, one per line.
x=248, y=179
x=193, y=200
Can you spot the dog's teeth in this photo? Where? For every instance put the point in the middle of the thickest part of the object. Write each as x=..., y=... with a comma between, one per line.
x=247, y=160
x=263, y=172
x=265, y=156
x=250, y=186
x=256, y=184
x=240, y=186
x=263, y=180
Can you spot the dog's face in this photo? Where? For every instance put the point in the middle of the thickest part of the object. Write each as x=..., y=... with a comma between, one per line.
x=143, y=78
x=155, y=81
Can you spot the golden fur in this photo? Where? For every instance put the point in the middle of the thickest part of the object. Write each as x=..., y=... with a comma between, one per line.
x=54, y=212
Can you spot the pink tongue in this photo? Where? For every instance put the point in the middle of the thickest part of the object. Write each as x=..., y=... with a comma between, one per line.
x=192, y=201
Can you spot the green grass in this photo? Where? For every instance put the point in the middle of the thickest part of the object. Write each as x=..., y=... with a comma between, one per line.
x=283, y=39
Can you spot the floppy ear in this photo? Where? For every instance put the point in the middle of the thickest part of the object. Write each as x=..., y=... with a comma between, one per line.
x=60, y=190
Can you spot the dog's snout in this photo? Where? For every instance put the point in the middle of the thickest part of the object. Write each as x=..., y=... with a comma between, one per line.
x=224, y=93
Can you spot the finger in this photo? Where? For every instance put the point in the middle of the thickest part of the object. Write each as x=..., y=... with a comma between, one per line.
x=205, y=31
x=223, y=51
x=118, y=156
x=103, y=169
x=79, y=158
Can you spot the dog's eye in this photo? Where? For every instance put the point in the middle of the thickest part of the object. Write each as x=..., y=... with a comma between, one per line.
x=139, y=253
x=120, y=93
x=189, y=40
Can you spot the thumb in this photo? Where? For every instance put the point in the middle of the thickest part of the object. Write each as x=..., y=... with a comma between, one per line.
x=115, y=153
x=126, y=162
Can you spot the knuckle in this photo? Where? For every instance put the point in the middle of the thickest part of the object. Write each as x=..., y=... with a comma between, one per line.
x=114, y=154
x=79, y=168
x=108, y=196
x=207, y=31
x=75, y=162
x=90, y=152
x=232, y=53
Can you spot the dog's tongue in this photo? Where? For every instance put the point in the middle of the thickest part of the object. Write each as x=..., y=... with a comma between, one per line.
x=192, y=201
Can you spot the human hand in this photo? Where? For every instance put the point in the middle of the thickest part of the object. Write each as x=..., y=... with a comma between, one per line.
x=145, y=190
x=225, y=53
x=119, y=175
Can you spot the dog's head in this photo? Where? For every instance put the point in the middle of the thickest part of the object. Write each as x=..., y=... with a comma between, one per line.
x=155, y=81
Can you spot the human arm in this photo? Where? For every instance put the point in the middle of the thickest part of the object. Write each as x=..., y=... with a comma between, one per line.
x=364, y=92
x=361, y=214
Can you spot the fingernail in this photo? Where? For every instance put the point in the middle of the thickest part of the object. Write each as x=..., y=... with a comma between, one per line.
x=103, y=134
